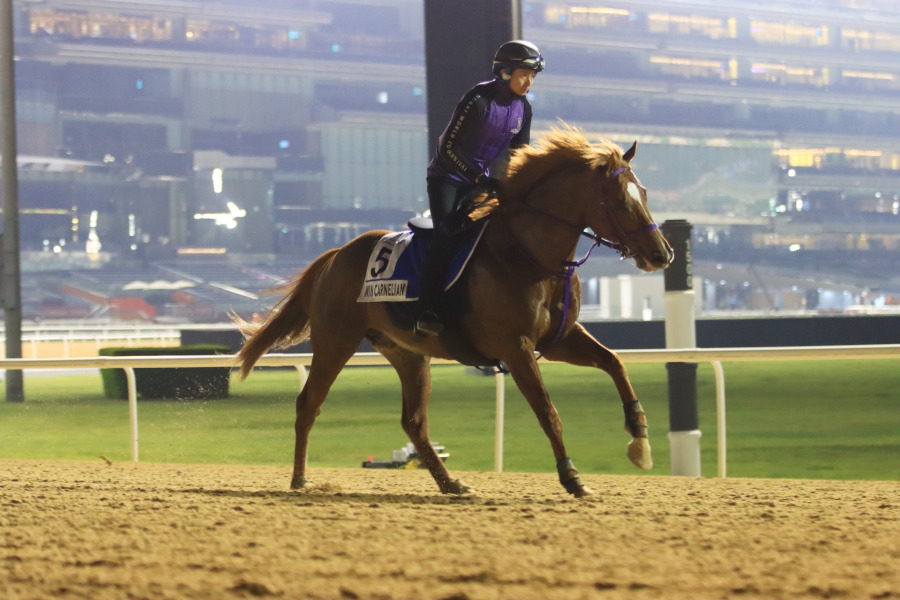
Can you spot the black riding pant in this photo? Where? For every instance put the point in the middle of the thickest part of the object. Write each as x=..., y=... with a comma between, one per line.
x=444, y=199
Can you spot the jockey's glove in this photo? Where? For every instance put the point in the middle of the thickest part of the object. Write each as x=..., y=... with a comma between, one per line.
x=490, y=185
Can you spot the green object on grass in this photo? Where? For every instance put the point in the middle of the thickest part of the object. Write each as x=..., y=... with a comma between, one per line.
x=155, y=383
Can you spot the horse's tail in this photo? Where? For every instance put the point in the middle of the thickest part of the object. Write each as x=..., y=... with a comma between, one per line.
x=287, y=323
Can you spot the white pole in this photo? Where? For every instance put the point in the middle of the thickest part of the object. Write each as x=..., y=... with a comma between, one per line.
x=132, y=411
x=681, y=332
x=500, y=385
x=301, y=371
x=684, y=447
x=720, y=417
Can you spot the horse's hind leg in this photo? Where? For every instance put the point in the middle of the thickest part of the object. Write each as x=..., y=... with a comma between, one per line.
x=415, y=378
x=324, y=369
x=578, y=347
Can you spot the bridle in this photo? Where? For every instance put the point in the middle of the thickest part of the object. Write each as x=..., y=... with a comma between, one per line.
x=619, y=245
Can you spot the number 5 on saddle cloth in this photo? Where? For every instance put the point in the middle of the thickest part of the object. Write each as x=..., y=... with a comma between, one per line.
x=394, y=270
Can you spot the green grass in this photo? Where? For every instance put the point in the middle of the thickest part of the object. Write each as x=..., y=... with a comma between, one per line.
x=830, y=420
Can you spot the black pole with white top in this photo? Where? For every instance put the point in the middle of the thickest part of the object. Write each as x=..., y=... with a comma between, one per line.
x=684, y=421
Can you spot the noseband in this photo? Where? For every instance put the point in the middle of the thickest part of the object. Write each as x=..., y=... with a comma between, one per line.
x=622, y=235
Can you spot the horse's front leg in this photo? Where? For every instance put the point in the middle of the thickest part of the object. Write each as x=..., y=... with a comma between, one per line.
x=578, y=347
x=525, y=372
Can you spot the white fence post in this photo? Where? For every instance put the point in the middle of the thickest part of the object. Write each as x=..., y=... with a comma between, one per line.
x=301, y=371
x=131, y=380
x=720, y=418
x=499, y=419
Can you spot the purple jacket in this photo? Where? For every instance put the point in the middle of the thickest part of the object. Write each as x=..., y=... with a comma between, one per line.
x=488, y=120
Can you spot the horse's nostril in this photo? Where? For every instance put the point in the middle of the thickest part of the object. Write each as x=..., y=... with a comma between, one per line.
x=662, y=258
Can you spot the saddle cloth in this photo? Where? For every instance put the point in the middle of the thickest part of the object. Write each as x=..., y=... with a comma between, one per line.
x=393, y=273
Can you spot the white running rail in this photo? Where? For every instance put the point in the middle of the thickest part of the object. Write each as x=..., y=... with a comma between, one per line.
x=715, y=356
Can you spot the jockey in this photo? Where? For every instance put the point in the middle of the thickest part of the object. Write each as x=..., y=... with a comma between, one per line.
x=492, y=117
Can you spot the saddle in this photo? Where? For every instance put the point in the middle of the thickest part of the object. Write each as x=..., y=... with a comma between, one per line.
x=393, y=276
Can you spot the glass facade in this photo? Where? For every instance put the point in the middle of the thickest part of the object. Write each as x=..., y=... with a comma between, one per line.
x=319, y=107
x=818, y=87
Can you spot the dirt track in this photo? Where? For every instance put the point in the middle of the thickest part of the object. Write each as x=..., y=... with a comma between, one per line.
x=132, y=531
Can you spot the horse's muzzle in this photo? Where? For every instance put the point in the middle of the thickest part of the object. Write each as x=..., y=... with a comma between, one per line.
x=664, y=259
x=657, y=259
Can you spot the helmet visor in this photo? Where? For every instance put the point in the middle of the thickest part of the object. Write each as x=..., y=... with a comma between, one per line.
x=532, y=63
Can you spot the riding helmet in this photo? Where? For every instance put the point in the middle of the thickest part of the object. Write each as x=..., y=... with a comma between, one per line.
x=518, y=54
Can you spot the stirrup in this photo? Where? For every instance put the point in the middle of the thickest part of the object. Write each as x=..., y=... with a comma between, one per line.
x=429, y=324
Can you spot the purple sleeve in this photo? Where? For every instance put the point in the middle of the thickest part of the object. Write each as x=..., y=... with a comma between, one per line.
x=463, y=126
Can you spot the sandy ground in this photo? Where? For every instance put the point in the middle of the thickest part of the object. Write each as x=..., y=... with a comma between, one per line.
x=151, y=531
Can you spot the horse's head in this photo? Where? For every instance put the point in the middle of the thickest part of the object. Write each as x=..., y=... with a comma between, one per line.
x=563, y=176
x=617, y=212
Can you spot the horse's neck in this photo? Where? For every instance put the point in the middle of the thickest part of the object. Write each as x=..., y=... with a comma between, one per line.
x=539, y=242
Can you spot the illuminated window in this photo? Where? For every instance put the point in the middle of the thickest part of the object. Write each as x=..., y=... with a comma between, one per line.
x=711, y=27
x=829, y=157
x=865, y=40
x=226, y=32
x=691, y=67
x=211, y=31
x=870, y=80
x=789, y=75
x=585, y=16
x=788, y=34
x=80, y=24
x=798, y=157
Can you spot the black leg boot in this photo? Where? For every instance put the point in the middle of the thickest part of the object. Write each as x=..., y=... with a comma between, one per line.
x=429, y=322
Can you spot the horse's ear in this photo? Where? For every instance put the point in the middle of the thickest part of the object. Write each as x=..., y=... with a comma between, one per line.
x=630, y=153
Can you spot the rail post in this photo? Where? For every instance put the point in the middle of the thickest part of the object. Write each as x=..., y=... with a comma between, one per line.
x=10, y=268
x=684, y=421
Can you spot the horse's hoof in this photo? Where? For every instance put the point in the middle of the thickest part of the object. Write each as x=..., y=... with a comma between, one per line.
x=455, y=486
x=298, y=483
x=582, y=492
x=639, y=453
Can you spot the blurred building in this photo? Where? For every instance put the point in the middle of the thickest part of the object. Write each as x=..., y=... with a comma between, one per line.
x=285, y=126
x=265, y=127
x=776, y=123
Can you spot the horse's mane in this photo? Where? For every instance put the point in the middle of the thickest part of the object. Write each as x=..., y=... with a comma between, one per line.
x=562, y=147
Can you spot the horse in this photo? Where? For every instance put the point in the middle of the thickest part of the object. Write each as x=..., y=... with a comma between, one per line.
x=523, y=298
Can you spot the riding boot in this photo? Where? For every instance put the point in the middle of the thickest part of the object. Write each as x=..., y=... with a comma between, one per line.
x=429, y=322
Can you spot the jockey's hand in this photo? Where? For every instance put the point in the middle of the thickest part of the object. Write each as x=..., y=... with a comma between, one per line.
x=490, y=185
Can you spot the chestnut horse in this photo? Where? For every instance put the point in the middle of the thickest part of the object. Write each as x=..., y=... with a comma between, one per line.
x=523, y=298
